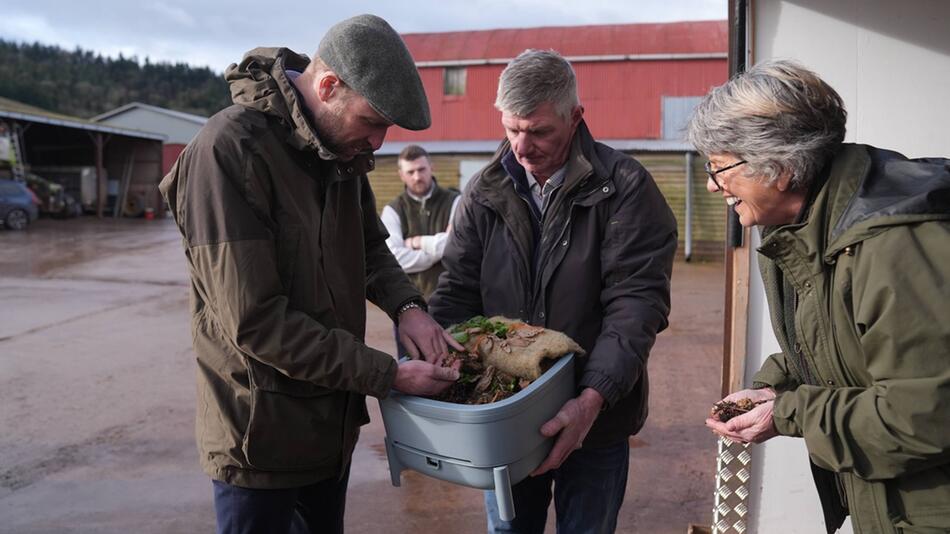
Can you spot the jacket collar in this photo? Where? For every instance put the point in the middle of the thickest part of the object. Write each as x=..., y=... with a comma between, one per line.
x=496, y=187
x=261, y=82
x=492, y=184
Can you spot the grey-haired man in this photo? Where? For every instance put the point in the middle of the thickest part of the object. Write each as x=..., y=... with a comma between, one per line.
x=564, y=232
x=284, y=247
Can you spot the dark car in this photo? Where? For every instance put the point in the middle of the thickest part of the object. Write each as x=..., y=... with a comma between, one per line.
x=18, y=205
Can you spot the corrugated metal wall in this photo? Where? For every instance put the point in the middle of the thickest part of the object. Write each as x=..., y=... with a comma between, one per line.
x=468, y=117
x=170, y=153
x=668, y=169
x=691, y=37
x=709, y=211
x=622, y=100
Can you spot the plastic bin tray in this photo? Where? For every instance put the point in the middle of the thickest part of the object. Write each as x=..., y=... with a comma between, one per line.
x=488, y=446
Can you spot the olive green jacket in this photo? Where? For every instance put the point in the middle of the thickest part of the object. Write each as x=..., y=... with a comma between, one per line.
x=867, y=381
x=284, y=247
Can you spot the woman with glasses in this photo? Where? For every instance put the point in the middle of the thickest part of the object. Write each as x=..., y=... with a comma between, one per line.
x=855, y=257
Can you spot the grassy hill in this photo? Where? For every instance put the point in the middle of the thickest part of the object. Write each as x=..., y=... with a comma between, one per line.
x=85, y=84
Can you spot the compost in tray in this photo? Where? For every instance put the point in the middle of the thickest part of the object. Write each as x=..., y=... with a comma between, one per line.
x=502, y=357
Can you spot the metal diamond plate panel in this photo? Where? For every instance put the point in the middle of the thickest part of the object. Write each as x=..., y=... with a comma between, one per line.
x=732, y=475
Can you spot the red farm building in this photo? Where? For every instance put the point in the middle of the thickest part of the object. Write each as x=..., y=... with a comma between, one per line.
x=638, y=84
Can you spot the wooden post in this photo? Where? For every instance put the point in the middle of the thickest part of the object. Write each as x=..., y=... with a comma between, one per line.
x=101, y=192
x=738, y=262
x=156, y=194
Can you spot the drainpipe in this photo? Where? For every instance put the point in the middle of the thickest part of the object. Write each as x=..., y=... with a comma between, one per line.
x=739, y=52
x=689, y=205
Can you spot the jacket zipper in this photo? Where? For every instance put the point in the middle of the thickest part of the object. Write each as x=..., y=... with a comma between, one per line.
x=526, y=270
x=542, y=261
x=547, y=253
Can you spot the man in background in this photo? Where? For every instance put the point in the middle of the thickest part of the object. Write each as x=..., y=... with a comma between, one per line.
x=418, y=221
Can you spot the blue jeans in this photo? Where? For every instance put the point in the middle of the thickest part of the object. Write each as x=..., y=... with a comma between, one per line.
x=588, y=491
x=317, y=508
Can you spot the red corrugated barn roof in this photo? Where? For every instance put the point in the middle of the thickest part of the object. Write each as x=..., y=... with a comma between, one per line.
x=624, y=71
x=655, y=38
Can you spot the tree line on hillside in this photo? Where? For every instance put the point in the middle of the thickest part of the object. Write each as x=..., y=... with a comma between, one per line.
x=84, y=84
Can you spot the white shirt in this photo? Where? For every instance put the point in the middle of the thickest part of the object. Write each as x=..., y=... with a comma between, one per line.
x=415, y=260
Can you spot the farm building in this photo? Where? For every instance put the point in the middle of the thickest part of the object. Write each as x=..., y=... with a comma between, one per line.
x=178, y=127
x=638, y=84
x=108, y=169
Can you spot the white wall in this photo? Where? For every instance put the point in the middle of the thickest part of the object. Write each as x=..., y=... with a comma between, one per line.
x=890, y=61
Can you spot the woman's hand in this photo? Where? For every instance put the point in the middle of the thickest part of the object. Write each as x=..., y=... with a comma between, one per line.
x=754, y=426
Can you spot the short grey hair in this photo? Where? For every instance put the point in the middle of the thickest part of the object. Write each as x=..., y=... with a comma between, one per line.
x=535, y=77
x=778, y=117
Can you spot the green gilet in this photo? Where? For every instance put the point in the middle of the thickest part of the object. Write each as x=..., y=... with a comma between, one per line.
x=425, y=218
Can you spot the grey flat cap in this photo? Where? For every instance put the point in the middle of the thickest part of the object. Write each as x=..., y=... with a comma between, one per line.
x=369, y=56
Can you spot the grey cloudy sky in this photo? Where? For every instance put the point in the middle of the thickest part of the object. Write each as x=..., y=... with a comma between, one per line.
x=216, y=32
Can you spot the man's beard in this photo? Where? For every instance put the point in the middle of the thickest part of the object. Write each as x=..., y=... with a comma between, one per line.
x=329, y=129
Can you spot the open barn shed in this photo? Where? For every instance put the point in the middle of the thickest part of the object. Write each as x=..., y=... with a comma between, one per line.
x=110, y=170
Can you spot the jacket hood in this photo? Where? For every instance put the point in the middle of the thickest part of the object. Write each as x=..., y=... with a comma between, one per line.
x=260, y=82
x=889, y=190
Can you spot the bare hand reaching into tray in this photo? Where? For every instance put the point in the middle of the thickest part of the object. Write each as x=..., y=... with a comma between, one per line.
x=423, y=337
x=417, y=377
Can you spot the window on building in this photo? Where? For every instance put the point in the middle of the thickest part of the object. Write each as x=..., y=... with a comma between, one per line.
x=675, y=112
x=454, y=81
x=468, y=168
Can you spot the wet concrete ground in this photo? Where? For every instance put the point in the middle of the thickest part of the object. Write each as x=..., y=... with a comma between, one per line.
x=97, y=399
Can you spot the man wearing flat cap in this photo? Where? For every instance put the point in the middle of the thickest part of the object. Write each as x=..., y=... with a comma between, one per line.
x=284, y=247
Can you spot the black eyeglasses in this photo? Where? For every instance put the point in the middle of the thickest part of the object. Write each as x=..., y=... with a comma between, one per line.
x=712, y=173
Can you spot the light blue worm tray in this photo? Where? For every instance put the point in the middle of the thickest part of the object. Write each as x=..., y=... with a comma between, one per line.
x=488, y=446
